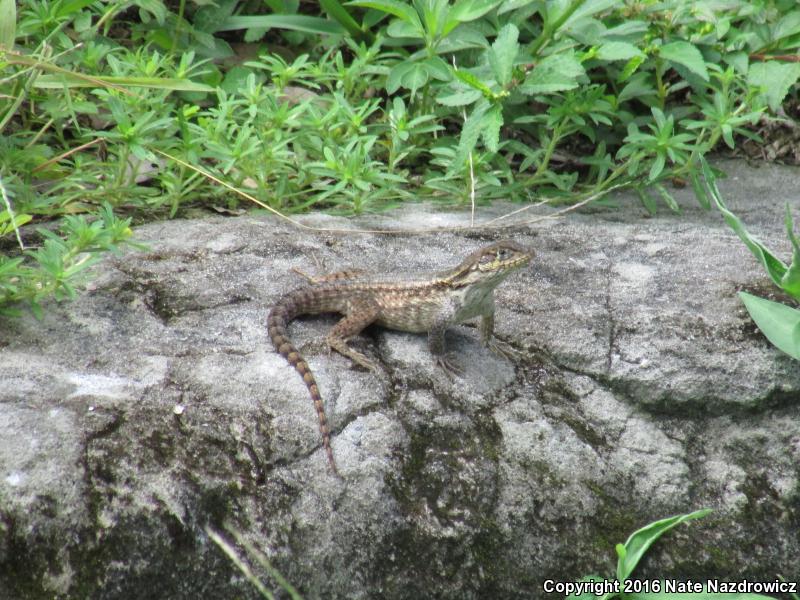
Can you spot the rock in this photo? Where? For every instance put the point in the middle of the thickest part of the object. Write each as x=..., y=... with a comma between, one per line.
x=153, y=406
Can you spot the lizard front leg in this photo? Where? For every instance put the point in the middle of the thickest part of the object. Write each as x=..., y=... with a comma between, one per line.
x=488, y=340
x=436, y=341
x=360, y=313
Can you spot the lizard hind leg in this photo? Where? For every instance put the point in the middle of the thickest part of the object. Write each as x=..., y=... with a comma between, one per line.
x=359, y=315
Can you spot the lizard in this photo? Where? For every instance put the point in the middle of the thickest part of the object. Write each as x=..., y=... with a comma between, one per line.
x=427, y=302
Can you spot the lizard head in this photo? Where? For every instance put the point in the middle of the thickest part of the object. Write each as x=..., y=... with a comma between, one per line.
x=490, y=264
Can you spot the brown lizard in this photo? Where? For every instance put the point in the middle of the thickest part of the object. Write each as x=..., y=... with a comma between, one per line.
x=427, y=302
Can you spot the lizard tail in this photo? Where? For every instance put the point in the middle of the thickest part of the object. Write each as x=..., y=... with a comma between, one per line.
x=278, y=318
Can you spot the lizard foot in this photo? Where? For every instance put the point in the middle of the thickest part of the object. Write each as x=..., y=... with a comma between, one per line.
x=504, y=350
x=450, y=369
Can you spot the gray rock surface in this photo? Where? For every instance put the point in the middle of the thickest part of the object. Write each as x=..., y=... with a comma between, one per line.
x=154, y=406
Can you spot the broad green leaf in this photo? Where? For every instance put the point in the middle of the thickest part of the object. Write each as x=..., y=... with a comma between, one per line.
x=8, y=23
x=778, y=322
x=469, y=135
x=464, y=37
x=303, y=23
x=787, y=26
x=437, y=68
x=503, y=53
x=617, y=51
x=774, y=266
x=556, y=73
x=774, y=79
x=154, y=7
x=640, y=86
x=460, y=98
x=72, y=6
x=401, y=10
x=469, y=10
x=589, y=8
x=399, y=28
x=415, y=77
x=492, y=122
x=639, y=541
x=791, y=279
x=686, y=54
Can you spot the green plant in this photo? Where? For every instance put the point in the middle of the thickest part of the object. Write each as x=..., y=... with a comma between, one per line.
x=778, y=322
x=629, y=555
x=60, y=262
x=352, y=106
x=254, y=554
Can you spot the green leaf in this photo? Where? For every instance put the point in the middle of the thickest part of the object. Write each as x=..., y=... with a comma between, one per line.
x=699, y=191
x=774, y=79
x=78, y=81
x=647, y=201
x=556, y=73
x=492, y=122
x=503, y=53
x=639, y=87
x=304, y=23
x=8, y=23
x=472, y=81
x=788, y=26
x=778, y=322
x=617, y=51
x=415, y=77
x=339, y=13
x=790, y=281
x=469, y=135
x=403, y=29
x=657, y=167
x=469, y=10
x=401, y=10
x=460, y=98
x=668, y=199
x=639, y=541
x=686, y=54
x=72, y=6
x=774, y=266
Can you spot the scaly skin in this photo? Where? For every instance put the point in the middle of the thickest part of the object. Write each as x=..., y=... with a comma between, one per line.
x=428, y=302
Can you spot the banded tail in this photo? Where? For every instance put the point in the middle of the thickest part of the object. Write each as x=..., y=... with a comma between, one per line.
x=280, y=315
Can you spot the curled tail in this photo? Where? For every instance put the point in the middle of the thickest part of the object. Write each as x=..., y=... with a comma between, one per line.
x=279, y=317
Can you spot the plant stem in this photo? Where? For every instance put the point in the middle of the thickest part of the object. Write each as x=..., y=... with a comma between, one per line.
x=550, y=27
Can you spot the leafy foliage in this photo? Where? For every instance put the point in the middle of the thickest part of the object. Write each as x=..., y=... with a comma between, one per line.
x=361, y=104
x=778, y=322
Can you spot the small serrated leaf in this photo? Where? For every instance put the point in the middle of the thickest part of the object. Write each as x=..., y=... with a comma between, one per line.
x=492, y=122
x=617, y=51
x=503, y=53
x=774, y=79
x=469, y=135
x=556, y=73
x=459, y=98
